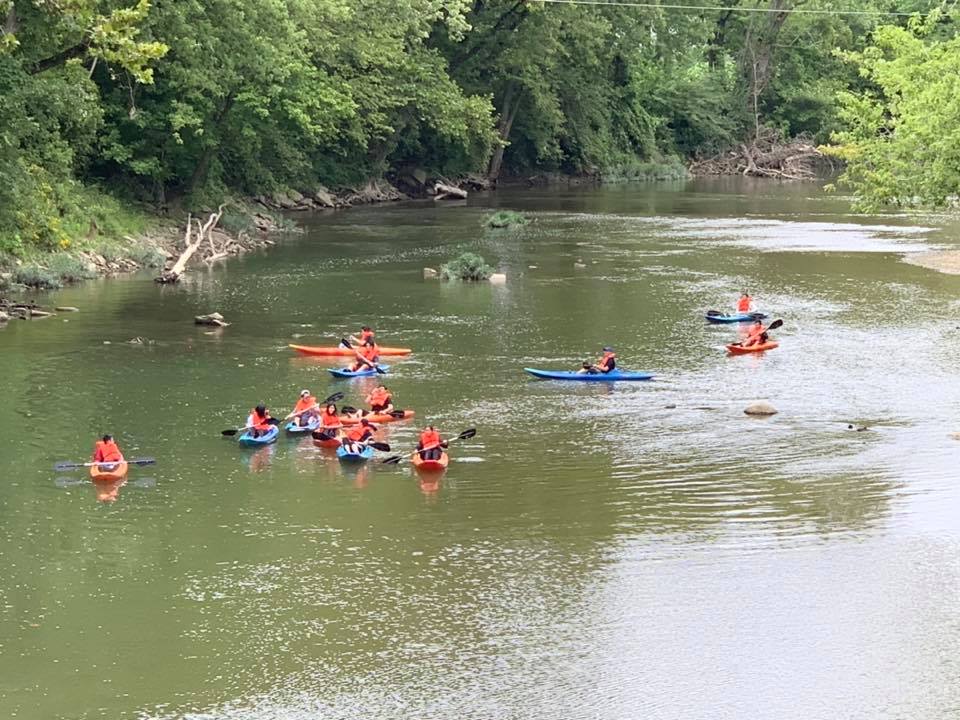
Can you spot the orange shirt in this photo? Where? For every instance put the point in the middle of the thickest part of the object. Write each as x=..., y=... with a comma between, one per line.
x=305, y=404
x=430, y=439
x=744, y=303
x=331, y=421
x=257, y=422
x=107, y=452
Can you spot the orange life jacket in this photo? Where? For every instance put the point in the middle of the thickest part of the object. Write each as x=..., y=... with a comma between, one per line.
x=257, y=422
x=743, y=304
x=304, y=403
x=380, y=396
x=430, y=439
x=107, y=452
x=370, y=352
x=605, y=360
x=756, y=334
x=330, y=421
x=359, y=433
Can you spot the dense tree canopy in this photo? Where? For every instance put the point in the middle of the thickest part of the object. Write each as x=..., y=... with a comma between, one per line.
x=189, y=101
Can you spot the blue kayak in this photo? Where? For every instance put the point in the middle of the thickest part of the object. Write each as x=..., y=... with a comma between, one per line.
x=613, y=376
x=738, y=318
x=293, y=429
x=270, y=436
x=345, y=456
x=347, y=373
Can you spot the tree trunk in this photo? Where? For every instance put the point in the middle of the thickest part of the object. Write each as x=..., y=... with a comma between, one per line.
x=757, y=58
x=508, y=113
x=719, y=39
x=202, y=167
x=11, y=23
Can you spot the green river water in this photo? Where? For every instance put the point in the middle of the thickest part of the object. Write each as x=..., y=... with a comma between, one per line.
x=641, y=550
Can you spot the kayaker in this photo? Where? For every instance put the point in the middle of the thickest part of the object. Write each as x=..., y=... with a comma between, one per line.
x=258, y=422
x=367, y=356
x=431, y=444
x=365, y=334
x=106, y=451
x=756, y=335
x=745, y=303
x=380, y=400
x=305, y=410
x=607, y=363
x=357, y=436
x=329, y=423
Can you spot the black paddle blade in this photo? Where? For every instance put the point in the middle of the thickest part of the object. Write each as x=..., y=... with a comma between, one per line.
x=393, y=460
x=379, y=370
x=336, y=397
x=61, y=466
x=142, y=461
x=711, y=313
x=397, y=413
x=272, y=421
x=229, y=433
x=775, y=324
x=385, y=447
x=467, y=434
x=345, y=343
x=348, y=409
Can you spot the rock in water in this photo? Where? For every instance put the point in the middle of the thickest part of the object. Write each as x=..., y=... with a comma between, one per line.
x=430, y=273
x=215, y=319
x=498, y=279
x=761, y=407
x=66, y=308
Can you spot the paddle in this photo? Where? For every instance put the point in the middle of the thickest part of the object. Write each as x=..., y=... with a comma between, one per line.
x=465, y=435
x=772, y=326
x=399, y=414
x=72, y=466
x=361, y=358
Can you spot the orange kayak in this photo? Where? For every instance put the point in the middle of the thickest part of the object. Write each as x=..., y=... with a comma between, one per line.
x=343, y=352
x=108, y=471
x=431, y=465
x=741, y=350
x=378, y=419
x=333, y=442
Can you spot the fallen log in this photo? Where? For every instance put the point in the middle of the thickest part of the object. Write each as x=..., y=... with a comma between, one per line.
x=444, y=191
x=174, y=274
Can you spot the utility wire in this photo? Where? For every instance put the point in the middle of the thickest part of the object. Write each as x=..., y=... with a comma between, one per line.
x=723, y=8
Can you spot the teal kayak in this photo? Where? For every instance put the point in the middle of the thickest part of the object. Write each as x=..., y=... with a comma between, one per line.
x=346, y=456
x=270, y=436
x=348, y=373
x=293, y=429
x=716, y=317
x=613, y=376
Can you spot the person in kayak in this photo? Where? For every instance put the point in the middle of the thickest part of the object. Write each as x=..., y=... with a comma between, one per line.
x=106, y=451
x=357, y=436
x=365, y=334
x=745, y=303
x=367, y=357
x=380, y=400
x=606, y=364
x=258, y=422
x=305, y=410
x=329, y=424
x=431, y=444
x=756, y=335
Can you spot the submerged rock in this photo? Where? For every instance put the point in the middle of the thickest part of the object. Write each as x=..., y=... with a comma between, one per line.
x=761, y=407
x=430, y=274
x=498, y=279
x=214, y=319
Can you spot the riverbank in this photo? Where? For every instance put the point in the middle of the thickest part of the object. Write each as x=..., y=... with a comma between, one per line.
x=945, y=261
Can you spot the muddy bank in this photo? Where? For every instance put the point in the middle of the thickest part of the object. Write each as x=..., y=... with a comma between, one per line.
x=945, y=261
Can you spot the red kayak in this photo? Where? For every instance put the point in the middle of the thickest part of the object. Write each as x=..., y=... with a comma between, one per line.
x=377, y=419
x=431, y=465
x=738, y=349
x=344, y=352
x=328, y=443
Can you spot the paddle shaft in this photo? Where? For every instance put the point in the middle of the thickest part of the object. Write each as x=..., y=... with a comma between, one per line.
x=361, y=358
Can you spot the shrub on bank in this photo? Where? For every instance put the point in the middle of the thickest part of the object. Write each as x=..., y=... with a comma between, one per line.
x=505, y=219
x=148, y=256
x=467, y=266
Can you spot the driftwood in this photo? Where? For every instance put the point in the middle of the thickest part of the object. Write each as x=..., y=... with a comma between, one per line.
x=173, y=274
x=214, y=319
x=768, y=154
x=444, y=191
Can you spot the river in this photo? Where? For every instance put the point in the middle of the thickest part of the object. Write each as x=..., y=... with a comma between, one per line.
x=603, y=552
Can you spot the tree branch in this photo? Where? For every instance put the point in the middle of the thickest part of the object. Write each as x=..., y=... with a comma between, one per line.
x=60, y=58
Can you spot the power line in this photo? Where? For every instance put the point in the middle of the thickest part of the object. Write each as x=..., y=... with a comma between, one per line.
x=660, y=6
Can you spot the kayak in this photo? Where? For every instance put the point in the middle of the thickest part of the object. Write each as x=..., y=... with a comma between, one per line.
x=109, y=471
x=738, y=318
x=741, y=350
x=378, y=418
x=431, y=465
x=361, y=456
x=613, y=376
x=344, y=352
x=293, y=429
x=333, y=442
x=348, y=373
x=270, y=436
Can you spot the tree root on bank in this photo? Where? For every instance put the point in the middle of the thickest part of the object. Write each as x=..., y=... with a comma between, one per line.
x=769, y=154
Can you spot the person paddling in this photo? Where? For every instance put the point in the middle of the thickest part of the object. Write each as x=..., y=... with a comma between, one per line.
x=431, y=444
x=380, y=400
x=305, y=410
x=745, y=303
x=357, y=436
x=106, y=451
x=365, y=334
x=367, y=357
x=606, y=364
x=756, y=335
x=329, y=423
x=258, y=422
